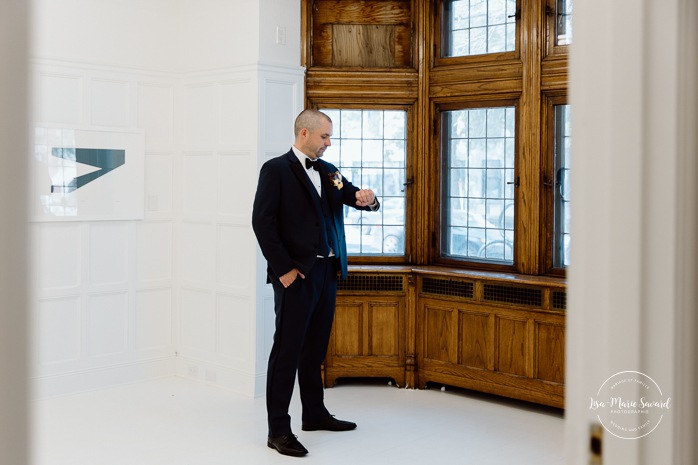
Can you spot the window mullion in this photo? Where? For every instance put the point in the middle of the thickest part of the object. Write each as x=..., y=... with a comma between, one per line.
x=528, y=212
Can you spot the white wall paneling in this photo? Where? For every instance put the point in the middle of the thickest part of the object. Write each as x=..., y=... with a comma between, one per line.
x=281, y=106
x=200, y=115
x=220, y=111
x=58, y=252
x=198, y=322
x=156, y=114
x=197, y=258
x=99, y=285
x=107, y=324
x=58, y=331
x=153, y=321
x=159, y=172
x=234, y=249
x=110, y=103
x=108, y=253
x=179, y=291
x=236, y=169
x=215, y=252
x=266, y=319
x=199, y=173
x=235, y=328
x=58, y=98
x=238, y=101
x=154, y=245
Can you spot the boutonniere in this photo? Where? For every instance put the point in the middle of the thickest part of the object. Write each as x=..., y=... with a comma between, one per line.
x=336, y=179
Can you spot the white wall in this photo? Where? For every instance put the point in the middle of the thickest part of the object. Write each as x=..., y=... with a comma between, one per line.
x=175, y=293
x=14, y=345
x=632, y=279
x=103, y=289
x=127, y=34
x=217, y=34
x=232, y=120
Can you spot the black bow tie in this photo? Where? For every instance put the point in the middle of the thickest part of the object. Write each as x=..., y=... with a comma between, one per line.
x=312, y=164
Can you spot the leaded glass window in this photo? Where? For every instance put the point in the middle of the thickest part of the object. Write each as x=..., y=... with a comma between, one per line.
x=477, y=27
x=478, y=193
x=369, y=148
x=561, y=197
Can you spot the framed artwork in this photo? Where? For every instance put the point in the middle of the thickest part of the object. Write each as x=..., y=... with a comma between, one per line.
x=85, y=175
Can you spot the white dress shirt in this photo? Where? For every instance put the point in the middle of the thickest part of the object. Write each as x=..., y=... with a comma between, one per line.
x=314, y=175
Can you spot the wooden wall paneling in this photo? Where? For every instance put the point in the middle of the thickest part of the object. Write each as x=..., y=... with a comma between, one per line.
x=395, y=87
x=362, y=11
x=322, y=45
x=348, y=333
x=550, y=352
x=440, y=333
x=363, y=45
x=369, y=334
x=470, y=340
x=483, y=79
x=505, y=89
x=403, y=45
x=375, y=33
x=410, y=333
x=499, y=344
x=477, y=339
x=384, y=329
x=511, y=346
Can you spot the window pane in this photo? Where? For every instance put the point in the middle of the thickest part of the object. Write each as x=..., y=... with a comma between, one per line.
x=477, y=27
x=561, y=198
x=478, y=189
x=368, y=147
x=563, y=24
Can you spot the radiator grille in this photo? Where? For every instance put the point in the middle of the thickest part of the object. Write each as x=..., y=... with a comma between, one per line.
x=514, y=295
x=448, y=287
x=559, y=300
x=362, y=282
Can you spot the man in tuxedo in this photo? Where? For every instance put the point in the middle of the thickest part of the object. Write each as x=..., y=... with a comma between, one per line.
x=299, y=223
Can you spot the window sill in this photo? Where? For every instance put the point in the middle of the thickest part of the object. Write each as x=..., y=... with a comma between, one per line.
x=442, y=271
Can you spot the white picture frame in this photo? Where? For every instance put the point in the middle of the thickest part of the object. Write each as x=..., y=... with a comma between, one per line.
x=87, y=175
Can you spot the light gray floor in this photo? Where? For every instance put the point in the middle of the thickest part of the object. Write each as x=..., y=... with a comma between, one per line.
x=175, y=421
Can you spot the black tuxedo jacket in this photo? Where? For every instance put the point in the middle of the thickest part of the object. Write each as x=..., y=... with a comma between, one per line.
x=287, y=215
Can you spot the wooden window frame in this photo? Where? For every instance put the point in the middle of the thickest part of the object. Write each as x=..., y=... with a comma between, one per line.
x=551, y=48
x=440, y=33
x=359, y=259
x=550, y=100
x=528, y=76
x=470, y=263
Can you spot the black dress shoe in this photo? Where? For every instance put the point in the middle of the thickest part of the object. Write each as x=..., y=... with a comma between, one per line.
x=287, y=445
x=329, y=424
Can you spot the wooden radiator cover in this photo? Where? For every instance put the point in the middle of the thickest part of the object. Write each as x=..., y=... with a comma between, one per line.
x=486, y=332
